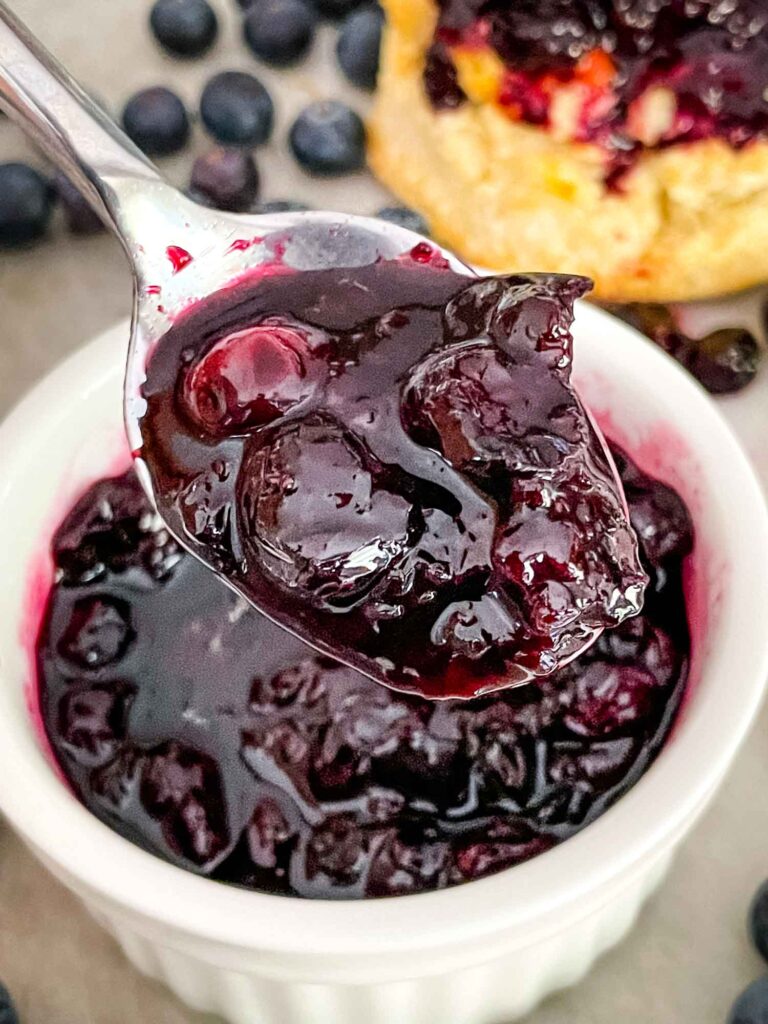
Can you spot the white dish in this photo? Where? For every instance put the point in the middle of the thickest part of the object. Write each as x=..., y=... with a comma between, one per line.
x=483, y=952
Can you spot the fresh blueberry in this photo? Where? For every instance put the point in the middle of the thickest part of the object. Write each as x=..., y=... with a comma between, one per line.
x=404, y=218
x=82, y=219
x=157, y=121
x=8, y=1014
x=358, y=45
x=724, y=361
x=26, y=202
x=227, y=179
x=280, y=31
x=280, y=206
x=237, y=110
x=335, y=9
x=752, y=1005
x=185, y=28
x=328, y=139
x=758, y=921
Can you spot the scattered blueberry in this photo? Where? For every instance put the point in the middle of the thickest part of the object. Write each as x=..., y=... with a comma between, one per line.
x=82, y=219
x=280, y=206
x=237, y=110
x=328, y=138
x=157, y=121
x=8, y=1013
x=752, y=1005
x=358, y=45
x=758, y=921
x=404, y=218
x=26, y=203
x=185, y=28
x=227, y=179
x=280, y=31
x=333, y=8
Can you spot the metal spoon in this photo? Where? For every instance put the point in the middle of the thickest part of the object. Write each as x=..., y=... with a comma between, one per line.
x=160, y=229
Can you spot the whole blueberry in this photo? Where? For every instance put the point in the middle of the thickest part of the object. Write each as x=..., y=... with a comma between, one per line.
x=26, y=203
x=404, y=217
x=335, y=8
x=8, y=1014
x=280, y=31
x=752, y=1005
x=226, y=179
x=157, y=121
x=758, y=920
x=237, y=110
x=724, y=361
x=81, y=217
x=358, y=45
x=185, y=28
x=328, y=139
x=280, y=206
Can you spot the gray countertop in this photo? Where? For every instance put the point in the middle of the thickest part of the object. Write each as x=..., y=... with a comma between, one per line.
x=687, y=958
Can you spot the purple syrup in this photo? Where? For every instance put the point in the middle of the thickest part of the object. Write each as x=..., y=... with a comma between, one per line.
x=201, y=731
x=712, y=54
x=390, y=461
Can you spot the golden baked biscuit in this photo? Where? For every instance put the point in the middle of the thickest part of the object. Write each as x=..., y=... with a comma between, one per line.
x=678, y=219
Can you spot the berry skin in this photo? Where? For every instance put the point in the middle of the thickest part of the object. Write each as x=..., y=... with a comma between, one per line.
x=226, y=179
x=157, y=121
x=184, y=28
x=280, y=32
x=358, y=46
x=724, y=361
x=237, y=110
x=82, y=219
x=758, y=921
x=8, y=1014
x=752, y=1005
x=334, y=9
x=26, y=203
x=328, y=139
x=98, y=633
x=404, y=217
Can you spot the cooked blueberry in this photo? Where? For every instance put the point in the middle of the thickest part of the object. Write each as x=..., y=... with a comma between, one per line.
x=280, y=31
x=758, y=920
x=26, y=203
x=237, y=110
x=280, y=206
x=404, y=217
x=724, y=361
x=8, y=1014
x=157, y=121
x=661, y=521
x=92, y=722
x=81, y=217
x=752, y=1005
x=358, y=45
x=606, y=698
x=328, y=139
x=185, y=28
x=98, y=632
x=226, y=179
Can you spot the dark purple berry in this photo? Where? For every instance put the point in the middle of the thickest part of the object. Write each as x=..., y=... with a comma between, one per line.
x=8, y=1014
x=185, y=28
x=358, y=46
x=81, y=217
x=237, y=110
x=226, y=179
x=26, y=204
x=758, y=921
x=157, y=121
x=404, y=217
x=92, y=722
x=335, y=9
x=328, y=139
x=752, y=1005
x=98, y=633
x=724, y=361
x=280, y=32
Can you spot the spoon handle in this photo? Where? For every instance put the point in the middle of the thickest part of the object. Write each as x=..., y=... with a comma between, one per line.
x=77, y=136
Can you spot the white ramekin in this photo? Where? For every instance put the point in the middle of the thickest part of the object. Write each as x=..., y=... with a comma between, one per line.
x=478, y=954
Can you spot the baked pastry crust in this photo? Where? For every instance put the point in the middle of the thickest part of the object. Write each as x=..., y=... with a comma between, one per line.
x=691, y=221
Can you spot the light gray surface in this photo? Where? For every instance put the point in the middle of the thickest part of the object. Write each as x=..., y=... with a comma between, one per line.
x=688, y=957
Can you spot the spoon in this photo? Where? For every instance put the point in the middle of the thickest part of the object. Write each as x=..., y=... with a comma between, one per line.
x=179, y=252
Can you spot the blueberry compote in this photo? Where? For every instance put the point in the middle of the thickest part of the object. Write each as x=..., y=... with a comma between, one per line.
x=390, y=461
x=195, y=727
x=640, y=72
